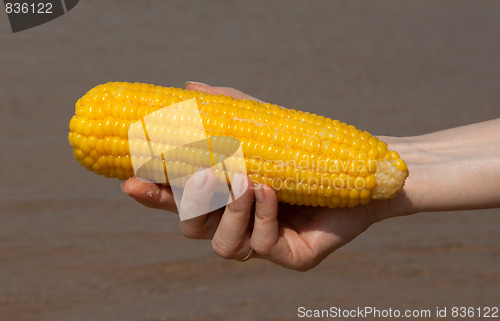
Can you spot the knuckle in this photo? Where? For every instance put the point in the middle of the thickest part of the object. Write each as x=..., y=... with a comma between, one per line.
x=264, y=220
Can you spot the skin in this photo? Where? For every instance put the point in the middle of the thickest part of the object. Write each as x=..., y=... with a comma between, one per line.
x=454, y=169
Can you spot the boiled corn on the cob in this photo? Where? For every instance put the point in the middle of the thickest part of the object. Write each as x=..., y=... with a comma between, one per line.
x=308, y=159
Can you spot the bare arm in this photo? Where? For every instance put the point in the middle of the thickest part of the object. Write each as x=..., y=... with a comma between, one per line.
x=453, y=169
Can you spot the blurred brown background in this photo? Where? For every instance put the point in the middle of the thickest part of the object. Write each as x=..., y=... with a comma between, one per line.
x=74, y=247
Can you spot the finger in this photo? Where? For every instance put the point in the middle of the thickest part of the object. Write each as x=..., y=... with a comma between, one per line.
x=197, y=193
x=150, y=194
x=195, y=202
x=228, y=91
x=232, y=237
x=268, y=239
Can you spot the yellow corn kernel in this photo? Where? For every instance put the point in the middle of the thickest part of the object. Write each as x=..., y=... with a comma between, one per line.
x=370, y=182
x=401, y=165
x=394, y=155
x=365, y=194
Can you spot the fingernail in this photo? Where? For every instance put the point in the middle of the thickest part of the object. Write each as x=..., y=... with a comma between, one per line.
x=122, y=186
x=199, y=179
x=238, y=185
x=259, y=193
x=194, y=83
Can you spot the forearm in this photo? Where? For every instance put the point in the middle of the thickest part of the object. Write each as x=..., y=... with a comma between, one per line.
x=454, y=169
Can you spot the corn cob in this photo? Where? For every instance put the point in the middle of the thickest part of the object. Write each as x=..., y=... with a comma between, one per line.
x=308, y=159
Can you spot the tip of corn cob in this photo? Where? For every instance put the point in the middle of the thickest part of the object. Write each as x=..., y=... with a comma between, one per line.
x=390, y=179
x=270, y=135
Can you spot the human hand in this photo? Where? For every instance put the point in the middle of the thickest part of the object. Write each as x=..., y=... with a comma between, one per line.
x=296, y=237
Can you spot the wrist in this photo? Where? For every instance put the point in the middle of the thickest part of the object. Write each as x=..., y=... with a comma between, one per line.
x=450, y=170
x=411, y=198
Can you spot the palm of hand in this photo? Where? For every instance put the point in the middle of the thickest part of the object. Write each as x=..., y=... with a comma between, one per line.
x=312, y=233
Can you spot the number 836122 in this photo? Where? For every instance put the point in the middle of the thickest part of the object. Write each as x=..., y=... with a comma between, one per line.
x=17, y=7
